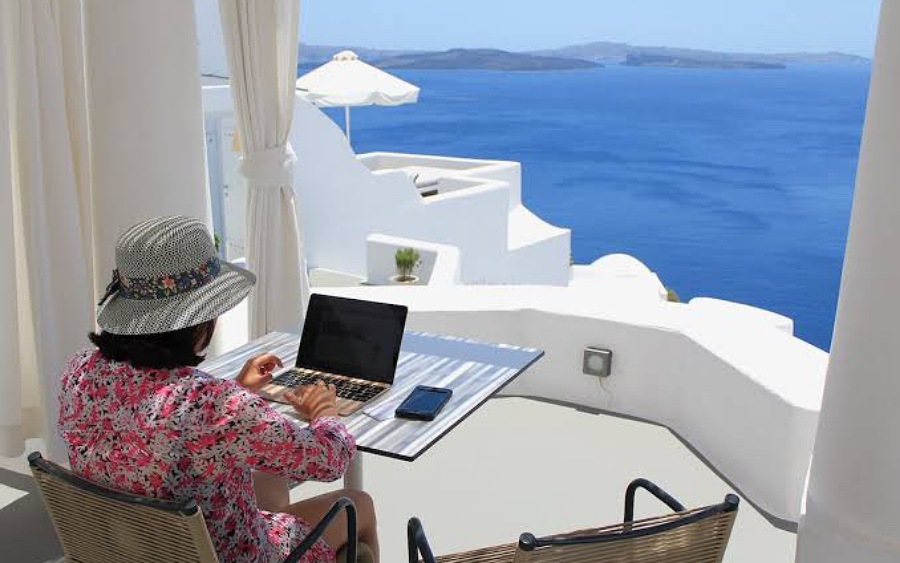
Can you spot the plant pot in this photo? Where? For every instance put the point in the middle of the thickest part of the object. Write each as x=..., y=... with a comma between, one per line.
x=404, y=280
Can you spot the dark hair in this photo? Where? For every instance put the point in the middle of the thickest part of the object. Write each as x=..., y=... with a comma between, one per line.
x=164, y=350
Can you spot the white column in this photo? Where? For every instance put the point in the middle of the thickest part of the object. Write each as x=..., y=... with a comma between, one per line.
x=146, y=120
x=853, y=502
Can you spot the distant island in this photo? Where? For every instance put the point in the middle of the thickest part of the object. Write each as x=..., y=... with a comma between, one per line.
x=606, y=52
x=686, y=62
x=574, y=57
x=483, y=59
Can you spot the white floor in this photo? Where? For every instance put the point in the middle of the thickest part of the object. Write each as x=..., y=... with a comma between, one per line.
x=516, y=465
x=520, y=465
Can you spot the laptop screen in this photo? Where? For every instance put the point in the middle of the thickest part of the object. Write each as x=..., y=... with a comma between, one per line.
x=352, y=337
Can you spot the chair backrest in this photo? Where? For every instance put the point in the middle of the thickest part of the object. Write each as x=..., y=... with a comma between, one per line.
x=96, y=524
x=695, y=536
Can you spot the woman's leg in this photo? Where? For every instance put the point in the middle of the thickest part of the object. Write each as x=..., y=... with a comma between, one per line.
x=272, y=492
x=313, y=509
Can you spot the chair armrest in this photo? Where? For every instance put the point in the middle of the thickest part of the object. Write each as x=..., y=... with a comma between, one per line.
x=528, y=542
x=652, y=489
x=417, y=542
x=316, y=533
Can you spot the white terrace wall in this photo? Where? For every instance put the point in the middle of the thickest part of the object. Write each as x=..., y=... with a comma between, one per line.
x=439, y=263
x=341, y=202
x=746, y=395
x=503, y=170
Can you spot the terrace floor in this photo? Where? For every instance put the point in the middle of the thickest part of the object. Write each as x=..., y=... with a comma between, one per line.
x=516, y=465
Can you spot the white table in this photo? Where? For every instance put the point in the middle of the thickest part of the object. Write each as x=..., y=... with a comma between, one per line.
x=475, y=371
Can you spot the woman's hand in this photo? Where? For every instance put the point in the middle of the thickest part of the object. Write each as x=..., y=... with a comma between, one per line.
x=258, y=371
x=313, y=401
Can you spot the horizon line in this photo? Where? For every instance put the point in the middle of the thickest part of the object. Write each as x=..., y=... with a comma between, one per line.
x=625, y=43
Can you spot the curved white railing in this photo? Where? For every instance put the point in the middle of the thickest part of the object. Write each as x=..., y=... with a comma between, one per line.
x=745, y=396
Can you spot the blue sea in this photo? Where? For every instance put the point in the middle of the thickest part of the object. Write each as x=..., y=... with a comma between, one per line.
x=734, y=184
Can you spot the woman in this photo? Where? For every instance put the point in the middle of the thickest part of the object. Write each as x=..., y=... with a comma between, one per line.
x=138, y=416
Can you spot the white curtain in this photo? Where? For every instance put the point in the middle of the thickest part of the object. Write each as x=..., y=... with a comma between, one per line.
x=261, y=45
x=46, y=291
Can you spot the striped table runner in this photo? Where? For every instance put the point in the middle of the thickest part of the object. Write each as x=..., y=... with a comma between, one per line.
x=475, y=371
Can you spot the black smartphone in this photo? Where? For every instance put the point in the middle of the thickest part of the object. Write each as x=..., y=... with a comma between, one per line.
x=424, y=403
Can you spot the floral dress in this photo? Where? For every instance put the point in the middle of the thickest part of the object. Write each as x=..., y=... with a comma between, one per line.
x=182, y=434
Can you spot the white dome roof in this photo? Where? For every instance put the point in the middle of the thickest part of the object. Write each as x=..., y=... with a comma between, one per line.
x=620, y=265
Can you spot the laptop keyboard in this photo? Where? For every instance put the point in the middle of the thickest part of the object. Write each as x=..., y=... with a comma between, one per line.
x=345, y=388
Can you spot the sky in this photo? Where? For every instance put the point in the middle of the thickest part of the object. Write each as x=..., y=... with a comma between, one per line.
x=721, y=25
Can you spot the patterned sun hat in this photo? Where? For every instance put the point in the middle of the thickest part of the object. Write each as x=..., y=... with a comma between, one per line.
x=168, y=276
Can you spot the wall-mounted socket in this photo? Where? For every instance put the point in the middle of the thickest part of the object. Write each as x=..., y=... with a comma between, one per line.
x=597, y=361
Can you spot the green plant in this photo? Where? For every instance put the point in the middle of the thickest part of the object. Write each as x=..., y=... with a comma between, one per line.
x=672, y=296
x=407, y=259
x=217, y=240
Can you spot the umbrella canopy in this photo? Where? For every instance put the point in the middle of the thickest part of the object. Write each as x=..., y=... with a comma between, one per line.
x=347, y=81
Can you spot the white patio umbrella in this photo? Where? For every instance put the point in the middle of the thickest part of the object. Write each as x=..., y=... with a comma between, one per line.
x=347, y=81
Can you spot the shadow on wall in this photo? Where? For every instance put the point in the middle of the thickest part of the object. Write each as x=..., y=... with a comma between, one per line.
x=26, y=534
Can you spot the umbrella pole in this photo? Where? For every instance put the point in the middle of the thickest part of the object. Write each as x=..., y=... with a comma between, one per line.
x=347, y=122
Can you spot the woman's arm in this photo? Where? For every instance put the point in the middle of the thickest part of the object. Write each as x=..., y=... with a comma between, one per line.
x=264, y=439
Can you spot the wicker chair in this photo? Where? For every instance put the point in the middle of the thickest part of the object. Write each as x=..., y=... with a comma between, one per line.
x=686, y=536
x=100, y=525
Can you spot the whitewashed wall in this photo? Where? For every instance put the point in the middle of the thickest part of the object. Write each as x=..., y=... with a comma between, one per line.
x=343, y=199
x=438, y=263
x=744, y=395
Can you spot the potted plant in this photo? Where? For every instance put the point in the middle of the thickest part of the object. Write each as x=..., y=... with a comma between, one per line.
x=406, y=259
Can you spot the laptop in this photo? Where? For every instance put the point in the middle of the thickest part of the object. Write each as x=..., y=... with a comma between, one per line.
x=349, y=343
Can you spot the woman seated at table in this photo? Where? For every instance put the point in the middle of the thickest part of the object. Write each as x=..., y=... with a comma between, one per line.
x=138, y=417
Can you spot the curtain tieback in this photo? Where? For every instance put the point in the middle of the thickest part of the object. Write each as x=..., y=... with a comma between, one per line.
x=272, y=167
